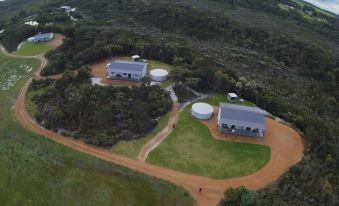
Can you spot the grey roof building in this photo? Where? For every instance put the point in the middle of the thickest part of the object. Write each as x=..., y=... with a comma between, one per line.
x=127, y=70
x=241, y=120
x=41, y=37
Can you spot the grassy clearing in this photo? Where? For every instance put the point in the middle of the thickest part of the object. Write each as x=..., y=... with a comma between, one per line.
x=191, y=148
x=215, y=100
x=36, y=171
x=131, y=149
x=31, y=49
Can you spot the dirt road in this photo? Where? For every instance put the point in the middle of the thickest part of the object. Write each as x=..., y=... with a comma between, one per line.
x=286, y=150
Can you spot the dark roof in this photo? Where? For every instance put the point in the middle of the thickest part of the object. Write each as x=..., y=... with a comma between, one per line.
x=128, y=66
x=242, y=115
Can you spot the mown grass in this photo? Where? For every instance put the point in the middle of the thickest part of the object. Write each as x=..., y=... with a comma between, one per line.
x=216, y=99
x=191, y=148
x=31, y=49
x=36, y=171
x=132, y=148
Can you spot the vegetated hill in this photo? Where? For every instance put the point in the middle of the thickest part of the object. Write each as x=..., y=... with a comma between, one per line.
x=283, y=59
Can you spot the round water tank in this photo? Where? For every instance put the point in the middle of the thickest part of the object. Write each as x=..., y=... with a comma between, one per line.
x=202, y=111
x=158, y=75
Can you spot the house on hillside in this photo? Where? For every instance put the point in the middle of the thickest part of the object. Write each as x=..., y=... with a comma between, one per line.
x=41, y=37
x=126, y=70
x=241, y=120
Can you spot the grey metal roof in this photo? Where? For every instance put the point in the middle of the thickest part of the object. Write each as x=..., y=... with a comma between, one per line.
x=43, y=35
x=242, y=115
x=128, y=66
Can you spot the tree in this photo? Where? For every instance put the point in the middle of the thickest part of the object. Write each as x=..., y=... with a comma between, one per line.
x=249, y=198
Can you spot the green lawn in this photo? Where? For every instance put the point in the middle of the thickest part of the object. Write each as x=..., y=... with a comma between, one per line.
x=31, y=49
x=191, y=148
x=36, y=171
x=215, y=100
x=132, y=148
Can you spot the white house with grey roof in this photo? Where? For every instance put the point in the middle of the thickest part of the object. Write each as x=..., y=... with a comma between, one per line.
x=41, y=37
x=126, y=70
x=241, y=120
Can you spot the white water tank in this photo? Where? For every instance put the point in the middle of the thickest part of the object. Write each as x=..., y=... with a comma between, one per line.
x=158, y=75
x=202, y=111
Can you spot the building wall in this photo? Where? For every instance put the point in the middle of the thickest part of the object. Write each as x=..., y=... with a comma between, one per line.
x=239, y=130
x=43, y=39
x=134, y=76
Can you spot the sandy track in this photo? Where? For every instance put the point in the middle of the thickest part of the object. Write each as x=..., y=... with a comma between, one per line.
x=286, y=150
x=161, y=136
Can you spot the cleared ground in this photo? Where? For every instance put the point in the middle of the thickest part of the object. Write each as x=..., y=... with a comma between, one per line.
x=31, y=49
x=36, y=171
x=197, y=152
x=99, y=71
x=132, y=148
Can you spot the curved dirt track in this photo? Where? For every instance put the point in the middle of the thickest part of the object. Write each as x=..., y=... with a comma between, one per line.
x=161, y=136
x=286, y=150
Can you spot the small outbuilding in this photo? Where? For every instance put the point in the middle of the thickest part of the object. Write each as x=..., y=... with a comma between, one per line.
x=135, y=58
x=158, y=75
x=232, y=97
x=202, y=111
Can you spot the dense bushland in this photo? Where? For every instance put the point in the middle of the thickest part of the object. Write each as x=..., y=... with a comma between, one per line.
x=211, y=52
x=100, y=115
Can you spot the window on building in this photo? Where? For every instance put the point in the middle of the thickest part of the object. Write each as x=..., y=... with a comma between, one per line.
x=233, y=127
x=224, y=126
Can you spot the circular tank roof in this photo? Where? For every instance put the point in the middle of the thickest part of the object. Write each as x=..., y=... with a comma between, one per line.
x=159, y=72
x=202, y=108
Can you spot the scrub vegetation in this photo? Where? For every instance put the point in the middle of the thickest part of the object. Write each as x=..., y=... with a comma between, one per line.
x=283, y=62
x=36, y=171
x=197, y=152
x=101, y=116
